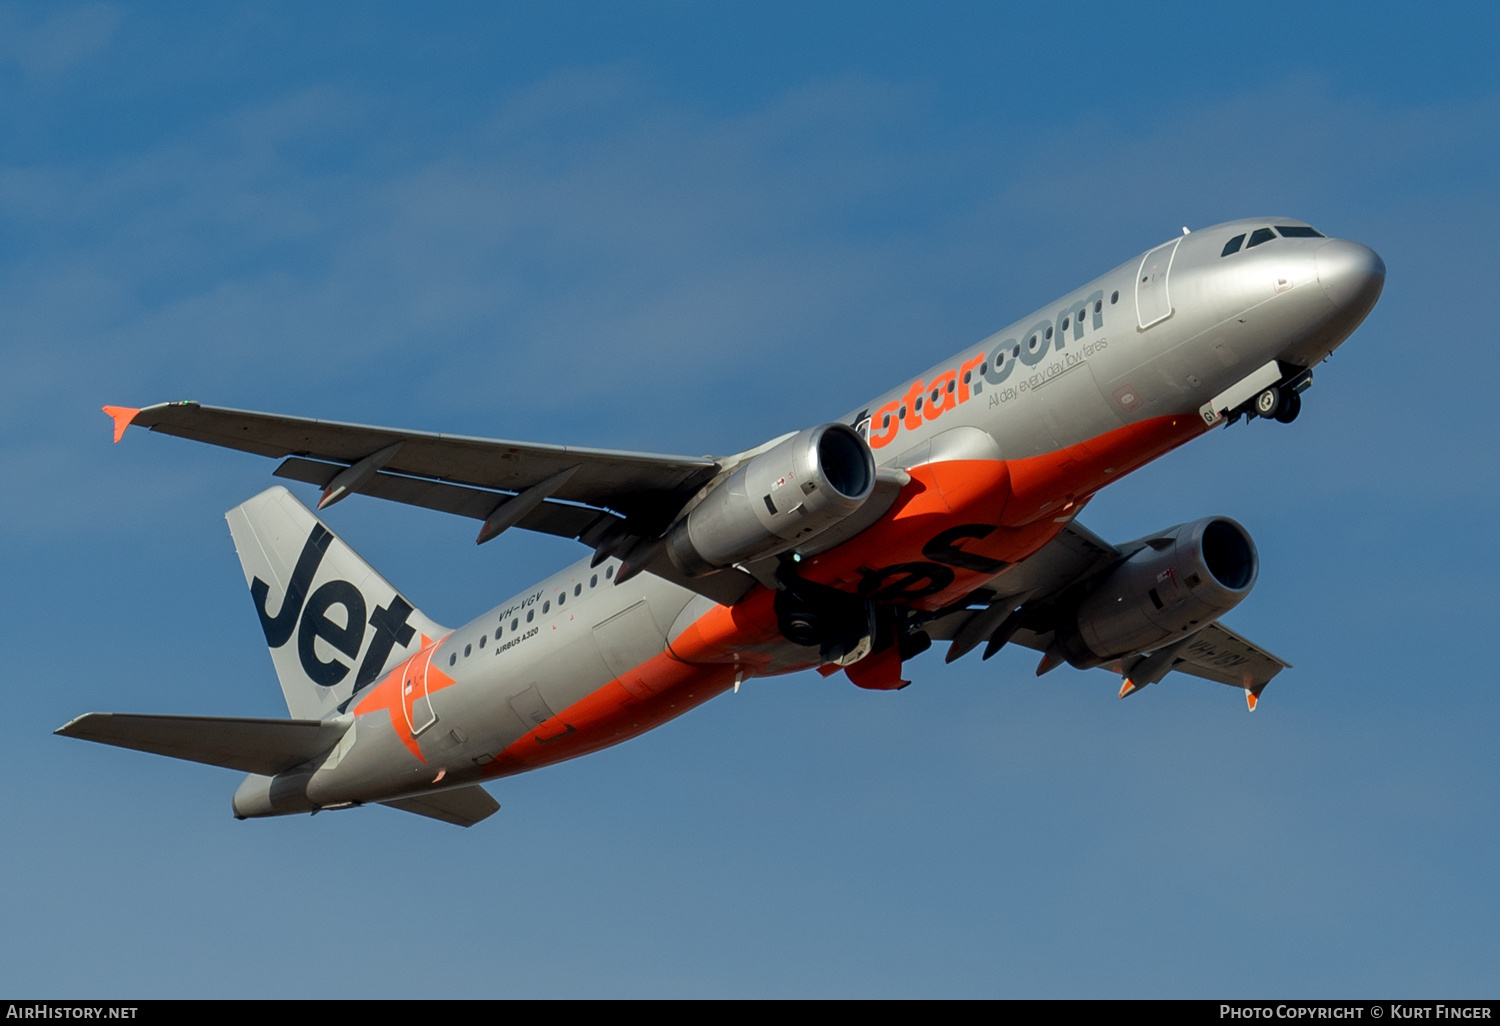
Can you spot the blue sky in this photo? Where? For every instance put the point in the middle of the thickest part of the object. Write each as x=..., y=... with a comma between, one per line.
x=686, y=228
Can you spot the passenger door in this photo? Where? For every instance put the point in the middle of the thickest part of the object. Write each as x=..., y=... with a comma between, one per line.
x=1153, y=303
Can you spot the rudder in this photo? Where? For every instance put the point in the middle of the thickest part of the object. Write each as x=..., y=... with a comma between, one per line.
x=333, y=624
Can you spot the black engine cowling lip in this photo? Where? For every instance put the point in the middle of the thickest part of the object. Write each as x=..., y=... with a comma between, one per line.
x=845, y=461
x=1229, y=554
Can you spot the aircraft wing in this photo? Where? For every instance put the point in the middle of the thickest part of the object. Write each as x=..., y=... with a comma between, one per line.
x=630, y=482
x=1071, y=559
x=1219, y=654
x=605, y=498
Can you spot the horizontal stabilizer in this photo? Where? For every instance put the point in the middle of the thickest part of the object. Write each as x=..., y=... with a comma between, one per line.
x=462, y=806
x=250, y=745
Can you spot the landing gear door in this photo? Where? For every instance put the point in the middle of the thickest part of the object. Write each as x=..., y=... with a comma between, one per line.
x=1153, y=303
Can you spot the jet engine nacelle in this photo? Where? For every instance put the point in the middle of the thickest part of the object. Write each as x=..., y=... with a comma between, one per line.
x=783, y=496
x=1178, y=583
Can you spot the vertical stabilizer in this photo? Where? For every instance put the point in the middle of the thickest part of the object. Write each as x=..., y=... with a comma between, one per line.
x=334, y=625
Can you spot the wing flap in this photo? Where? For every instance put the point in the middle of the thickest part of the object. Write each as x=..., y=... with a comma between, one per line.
x=251, y=745
x=558, y=518
x=462, y=806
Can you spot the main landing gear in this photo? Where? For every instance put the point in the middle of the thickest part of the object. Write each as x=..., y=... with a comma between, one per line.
x=845, y=628
x=842, y=626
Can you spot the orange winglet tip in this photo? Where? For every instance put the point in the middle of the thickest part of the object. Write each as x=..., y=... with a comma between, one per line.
x=1128, y=688
x=122, y=416
x=1251, y=699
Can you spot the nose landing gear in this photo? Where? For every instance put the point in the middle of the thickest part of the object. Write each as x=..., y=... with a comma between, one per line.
x=1281, y=404
x=1289, y=407
x=1268, y=401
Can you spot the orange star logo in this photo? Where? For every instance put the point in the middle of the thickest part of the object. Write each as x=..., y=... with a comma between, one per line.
x=406, y=695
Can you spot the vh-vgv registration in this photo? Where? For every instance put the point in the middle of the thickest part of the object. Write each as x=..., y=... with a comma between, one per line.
x=942, y=511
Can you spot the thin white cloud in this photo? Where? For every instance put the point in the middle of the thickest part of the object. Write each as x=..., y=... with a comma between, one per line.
x=48, y=47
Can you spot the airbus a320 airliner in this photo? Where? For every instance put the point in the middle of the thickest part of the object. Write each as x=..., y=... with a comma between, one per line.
x=944, y=510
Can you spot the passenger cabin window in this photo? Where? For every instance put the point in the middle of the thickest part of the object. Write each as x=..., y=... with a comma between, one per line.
x=1299, y=231
x=1233, y=245
x=1260, y=235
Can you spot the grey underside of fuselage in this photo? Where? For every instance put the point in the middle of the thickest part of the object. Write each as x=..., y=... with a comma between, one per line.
x=533, y=656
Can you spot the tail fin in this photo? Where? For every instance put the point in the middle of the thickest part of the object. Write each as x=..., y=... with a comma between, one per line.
x=337, y=625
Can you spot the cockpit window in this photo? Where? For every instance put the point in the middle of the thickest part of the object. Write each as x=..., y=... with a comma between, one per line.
x=1260, y=235
x=1233, y=245
x=1299, y=231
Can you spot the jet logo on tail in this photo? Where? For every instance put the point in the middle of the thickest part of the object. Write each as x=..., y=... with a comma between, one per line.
x=390, y=623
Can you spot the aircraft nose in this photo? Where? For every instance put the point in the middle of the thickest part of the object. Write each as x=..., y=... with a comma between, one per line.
x=1352, y=275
